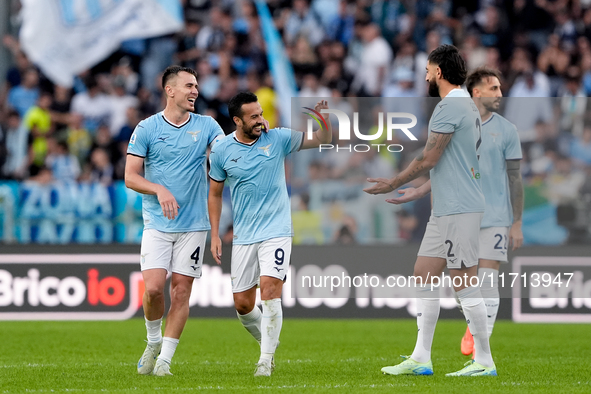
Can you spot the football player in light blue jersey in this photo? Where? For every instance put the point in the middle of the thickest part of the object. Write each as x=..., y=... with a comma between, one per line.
x=502, y=186
x=500, y=156
x=451, y=237
x=252, y=162
x=169, y=148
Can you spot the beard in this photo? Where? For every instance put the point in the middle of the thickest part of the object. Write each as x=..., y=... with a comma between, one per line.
x=433, y=89
x=492, y=106
x=249, y=131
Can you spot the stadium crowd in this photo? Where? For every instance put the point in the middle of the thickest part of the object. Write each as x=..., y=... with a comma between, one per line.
x=346, y=48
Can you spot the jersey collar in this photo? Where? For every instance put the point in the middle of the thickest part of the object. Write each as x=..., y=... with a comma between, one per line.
x=489, y=119
x=243, y=143
x=178, y=126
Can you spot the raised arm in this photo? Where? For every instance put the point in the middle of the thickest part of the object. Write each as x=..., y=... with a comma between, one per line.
x=322, y=135
x=420, y=165
x=134, y=168
x=214, y=205
x=516, y=195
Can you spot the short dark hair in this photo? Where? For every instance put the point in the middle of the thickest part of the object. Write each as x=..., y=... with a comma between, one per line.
x=236, y=103
x=479, y=75
x=172, y=71
x=451, y=63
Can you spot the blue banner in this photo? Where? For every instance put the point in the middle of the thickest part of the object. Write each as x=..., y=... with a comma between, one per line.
x=62, y=213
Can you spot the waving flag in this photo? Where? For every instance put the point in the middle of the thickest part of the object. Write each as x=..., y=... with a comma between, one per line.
x=65, y=37
x=281, y=69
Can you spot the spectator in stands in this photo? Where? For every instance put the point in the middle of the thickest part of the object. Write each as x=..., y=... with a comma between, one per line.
x=131, y=121
x=102, y=169
x=37, y=121
x=302, y=57
x=15, y=143
x=527, y=103
x=311, y=87
x=63, y=165
x=341, y=27
x=209, y=82
x=564, y=182
x=60, y=107
x=303, y=22
x=103, y=139
x=375, y=62
x=347, y=232
x=25, y=95
x=124, y=70
x=187, y=51
x=261, y=86
x=573, y=103
x=334, y=77
x=307, y=224
x=78, y=138
x=94, y=106
x=14, y=75
x=553, y=61
x=121, y=101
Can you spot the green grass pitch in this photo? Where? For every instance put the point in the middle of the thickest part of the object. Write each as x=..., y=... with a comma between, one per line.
x=316, y=356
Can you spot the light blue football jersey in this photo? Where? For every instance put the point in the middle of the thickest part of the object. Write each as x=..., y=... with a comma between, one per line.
x=174, y=156
x=455, y=179
x=500, y=142
x=256, y=176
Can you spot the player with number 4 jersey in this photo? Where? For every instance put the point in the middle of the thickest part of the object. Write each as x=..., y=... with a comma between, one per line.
x=252, y=163
x=169, y=149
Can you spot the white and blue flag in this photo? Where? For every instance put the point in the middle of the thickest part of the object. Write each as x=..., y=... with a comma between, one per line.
x=66, y=37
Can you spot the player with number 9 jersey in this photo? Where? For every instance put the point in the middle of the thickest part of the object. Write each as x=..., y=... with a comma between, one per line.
x=252, y=163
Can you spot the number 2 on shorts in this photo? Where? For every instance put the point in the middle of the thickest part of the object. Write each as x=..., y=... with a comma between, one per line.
x=451, y=245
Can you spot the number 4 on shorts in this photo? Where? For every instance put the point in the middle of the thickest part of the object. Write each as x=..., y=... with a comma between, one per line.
x=195, y=257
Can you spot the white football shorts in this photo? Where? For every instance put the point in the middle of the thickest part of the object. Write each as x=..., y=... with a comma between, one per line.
x=267, y=258
x=181, y=253
x=493, y=243
x=453, y=238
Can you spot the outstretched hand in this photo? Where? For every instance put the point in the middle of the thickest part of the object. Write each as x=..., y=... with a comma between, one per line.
x=406, y=195
x=382, y=186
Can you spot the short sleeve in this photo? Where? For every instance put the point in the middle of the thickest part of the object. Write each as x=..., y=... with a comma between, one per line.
x=291, y=139
x=215, y=132
x=444, y=120
x=138, y=143
x=512, y=145
x=216, y=167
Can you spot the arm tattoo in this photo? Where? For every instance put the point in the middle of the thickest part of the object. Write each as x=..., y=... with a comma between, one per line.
x=515, y=189
x=443, y=141
x=438, y=140
x=417, y=168
x=431, y=142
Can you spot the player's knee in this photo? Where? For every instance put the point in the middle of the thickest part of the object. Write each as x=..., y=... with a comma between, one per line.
x=181, y=294
x=243, y=306
x=154, y=292
x=271, y=291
